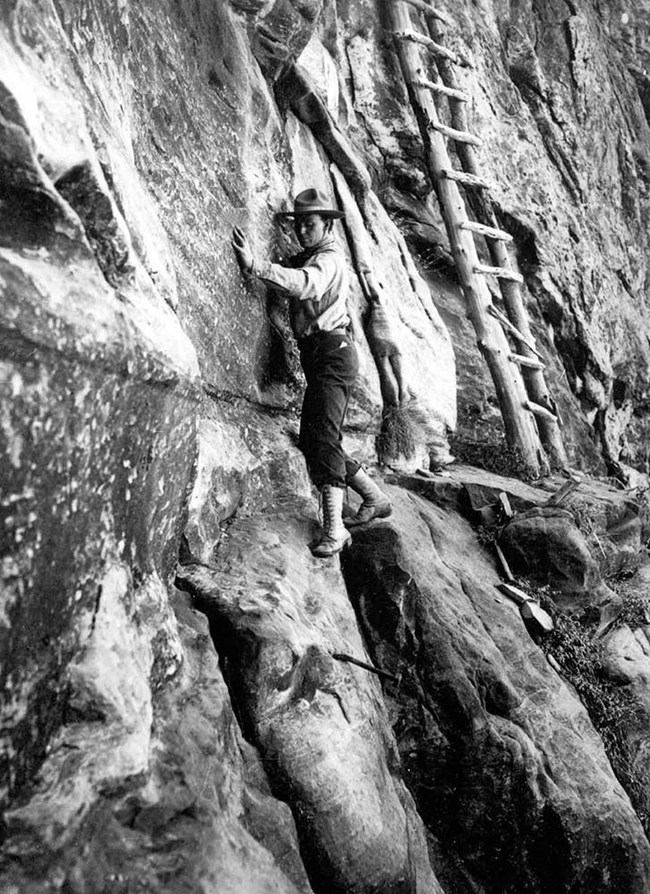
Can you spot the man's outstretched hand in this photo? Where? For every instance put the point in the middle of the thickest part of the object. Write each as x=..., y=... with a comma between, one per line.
x=242, y=247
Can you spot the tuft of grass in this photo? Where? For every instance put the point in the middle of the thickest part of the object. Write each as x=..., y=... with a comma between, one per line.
x=396, y=437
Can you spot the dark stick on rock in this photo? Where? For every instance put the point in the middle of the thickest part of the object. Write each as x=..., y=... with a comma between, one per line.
x=340, y=656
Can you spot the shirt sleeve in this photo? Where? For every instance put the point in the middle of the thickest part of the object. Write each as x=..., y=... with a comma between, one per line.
x=305, y=283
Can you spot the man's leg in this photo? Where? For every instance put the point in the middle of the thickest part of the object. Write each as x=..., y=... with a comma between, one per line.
x=375, y=503
x=330, y=370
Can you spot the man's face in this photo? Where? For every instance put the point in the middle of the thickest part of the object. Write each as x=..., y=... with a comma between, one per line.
x=310, y=229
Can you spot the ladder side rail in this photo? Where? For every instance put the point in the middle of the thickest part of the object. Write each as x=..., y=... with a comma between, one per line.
x=483, y=210
x=519, y=423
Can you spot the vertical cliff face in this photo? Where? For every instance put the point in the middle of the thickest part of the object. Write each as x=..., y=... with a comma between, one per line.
x=557, y=97
x=174, y=713
x=574, y=86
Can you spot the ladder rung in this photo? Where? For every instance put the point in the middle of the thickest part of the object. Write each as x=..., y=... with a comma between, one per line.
x=505, y=322
x=436, y=48
x=431, y=11
x=460, y=136
x=441, y=88
x=505, y=503
x=484, y=230
x=466, y=179
x=539, y=410
x=499, y=272
x=527, y=361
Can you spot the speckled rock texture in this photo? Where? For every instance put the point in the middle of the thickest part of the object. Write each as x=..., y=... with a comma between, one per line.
x=176, y=715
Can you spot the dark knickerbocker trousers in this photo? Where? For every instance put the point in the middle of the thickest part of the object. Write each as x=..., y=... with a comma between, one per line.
x=330, y=363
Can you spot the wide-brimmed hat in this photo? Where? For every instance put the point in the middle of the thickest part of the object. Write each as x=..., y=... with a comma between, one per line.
x=312, y=201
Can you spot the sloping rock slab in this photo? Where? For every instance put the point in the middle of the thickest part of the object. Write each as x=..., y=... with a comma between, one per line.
x=277, y=616
x=504, y=765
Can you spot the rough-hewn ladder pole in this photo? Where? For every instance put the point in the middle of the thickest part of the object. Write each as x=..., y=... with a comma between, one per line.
x=519, y=423
x=483, y=210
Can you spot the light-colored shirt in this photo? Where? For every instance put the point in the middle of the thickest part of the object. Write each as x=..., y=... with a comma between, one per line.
x=316, y=280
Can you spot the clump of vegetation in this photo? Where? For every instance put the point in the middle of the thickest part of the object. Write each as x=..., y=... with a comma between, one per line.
x=581, y=661
x=396, y=437
x=636, y=611
x=612, y=708
x=488, y=535
x=591, y=522
x=587, y=516
x=616, y=563
x=499, y=458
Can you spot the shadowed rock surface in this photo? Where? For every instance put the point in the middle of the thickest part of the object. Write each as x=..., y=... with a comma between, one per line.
x=205, y=739
x=498, y=752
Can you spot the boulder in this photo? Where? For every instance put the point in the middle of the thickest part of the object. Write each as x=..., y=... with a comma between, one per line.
x=545, y=544
x=626, y=661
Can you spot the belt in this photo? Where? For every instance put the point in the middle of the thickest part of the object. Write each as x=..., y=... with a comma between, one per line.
x=341, y=332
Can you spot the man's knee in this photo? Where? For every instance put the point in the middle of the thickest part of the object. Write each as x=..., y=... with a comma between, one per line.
x=351, y=467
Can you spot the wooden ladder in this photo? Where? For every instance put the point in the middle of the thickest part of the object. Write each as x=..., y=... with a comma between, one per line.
x=529, y=414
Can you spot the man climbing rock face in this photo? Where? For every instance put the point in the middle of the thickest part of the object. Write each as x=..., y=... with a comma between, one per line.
x=316, y=283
